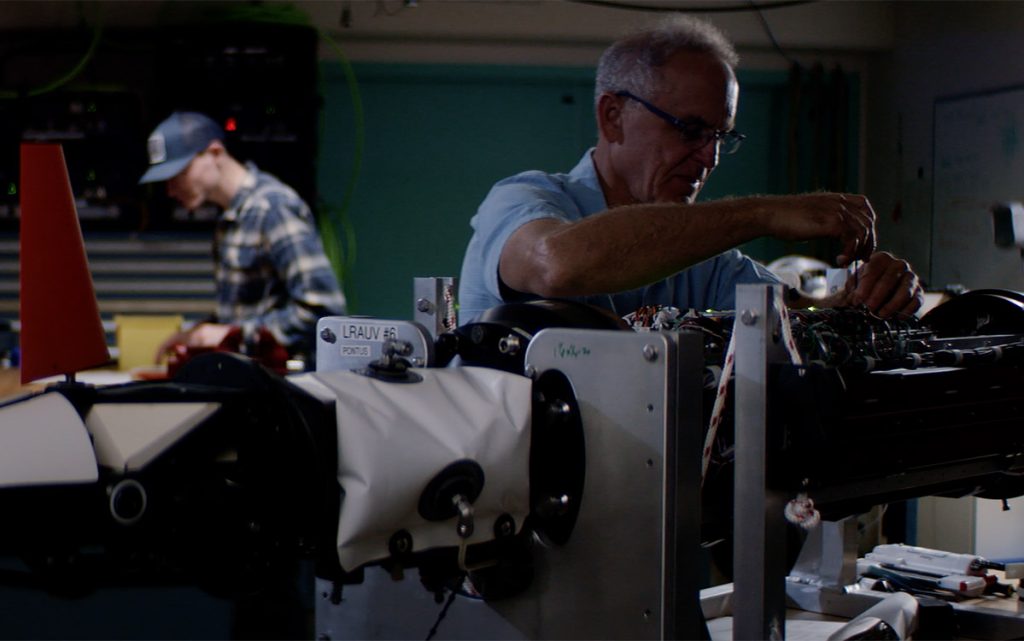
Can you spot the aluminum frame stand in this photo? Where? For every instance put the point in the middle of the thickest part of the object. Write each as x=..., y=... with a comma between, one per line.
x=759, y=552
x=630, y=569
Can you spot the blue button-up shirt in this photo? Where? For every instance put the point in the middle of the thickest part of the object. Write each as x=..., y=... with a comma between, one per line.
x=533, y=195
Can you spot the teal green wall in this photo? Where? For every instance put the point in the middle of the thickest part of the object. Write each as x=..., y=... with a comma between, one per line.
x=436, y=137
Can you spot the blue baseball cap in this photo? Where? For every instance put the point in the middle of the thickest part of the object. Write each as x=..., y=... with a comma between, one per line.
x=176, y=141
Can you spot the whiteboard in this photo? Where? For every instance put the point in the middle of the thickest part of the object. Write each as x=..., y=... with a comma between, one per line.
x=997, y=531
x=978, y=161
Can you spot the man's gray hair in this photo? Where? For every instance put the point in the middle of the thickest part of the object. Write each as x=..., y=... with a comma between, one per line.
x=632, y=62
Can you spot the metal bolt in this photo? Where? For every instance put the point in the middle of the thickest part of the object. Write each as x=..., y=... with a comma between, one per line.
x=559, y=407
x=748, y=317
x=530, y=371
x=504, y=526
x=650, y=352
x=509, y=345
x=424, y=305
x=396, y=347
x=553, y=506
x=477, y=334
x=327, y=335
x=402, y=544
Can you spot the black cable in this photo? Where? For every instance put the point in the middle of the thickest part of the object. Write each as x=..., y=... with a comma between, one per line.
x=83, y=62
x=771, y=35
x=382, y=9
x=714, y=8
x=441, y=614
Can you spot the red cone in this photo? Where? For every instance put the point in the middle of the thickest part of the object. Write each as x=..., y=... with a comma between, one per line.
x=61, y=330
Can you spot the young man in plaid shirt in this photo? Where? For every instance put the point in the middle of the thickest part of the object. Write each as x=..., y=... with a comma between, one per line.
x=270, y=267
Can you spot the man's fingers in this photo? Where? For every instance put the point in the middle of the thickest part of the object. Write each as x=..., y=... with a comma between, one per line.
x=863, y=220
x=867, y=278
x=847, y=218
x=903, y=296
x=870, y=244
x=888, y=286
x=856, y=222
x=910, y=309
x=878, y=286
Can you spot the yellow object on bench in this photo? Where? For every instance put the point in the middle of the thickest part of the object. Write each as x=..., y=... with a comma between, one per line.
x=139, y=336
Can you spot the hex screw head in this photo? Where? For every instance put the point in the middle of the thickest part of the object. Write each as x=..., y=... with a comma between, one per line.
x=425, y=306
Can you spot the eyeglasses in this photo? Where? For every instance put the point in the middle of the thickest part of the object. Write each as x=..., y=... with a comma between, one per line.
x=693, y=130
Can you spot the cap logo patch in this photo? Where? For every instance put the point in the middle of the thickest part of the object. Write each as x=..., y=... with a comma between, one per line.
x=157, y=148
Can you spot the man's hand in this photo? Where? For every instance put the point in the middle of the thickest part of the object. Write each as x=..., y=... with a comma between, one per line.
x=886, y=285
x=846, y=217
x=204, y=335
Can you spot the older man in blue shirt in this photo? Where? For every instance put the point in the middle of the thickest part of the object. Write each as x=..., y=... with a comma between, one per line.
x=623, y=228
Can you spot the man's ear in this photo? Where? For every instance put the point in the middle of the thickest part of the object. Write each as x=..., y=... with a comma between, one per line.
x=609, y=117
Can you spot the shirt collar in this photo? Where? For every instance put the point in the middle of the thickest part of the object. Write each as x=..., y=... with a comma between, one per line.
x=243, y=193
x=587, y=189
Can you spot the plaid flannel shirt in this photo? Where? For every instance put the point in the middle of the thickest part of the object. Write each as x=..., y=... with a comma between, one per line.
x=270, y=266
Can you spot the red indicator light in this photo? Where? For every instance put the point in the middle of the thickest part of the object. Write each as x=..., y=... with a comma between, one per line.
x=231, y=124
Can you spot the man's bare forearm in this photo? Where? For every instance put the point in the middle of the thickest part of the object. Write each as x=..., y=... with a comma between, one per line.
x=628, y=247
x=634, y=245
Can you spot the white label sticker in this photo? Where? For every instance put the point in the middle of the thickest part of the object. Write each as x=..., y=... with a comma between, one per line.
x=359, y=351
x=157, y=149
x=368, y=332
